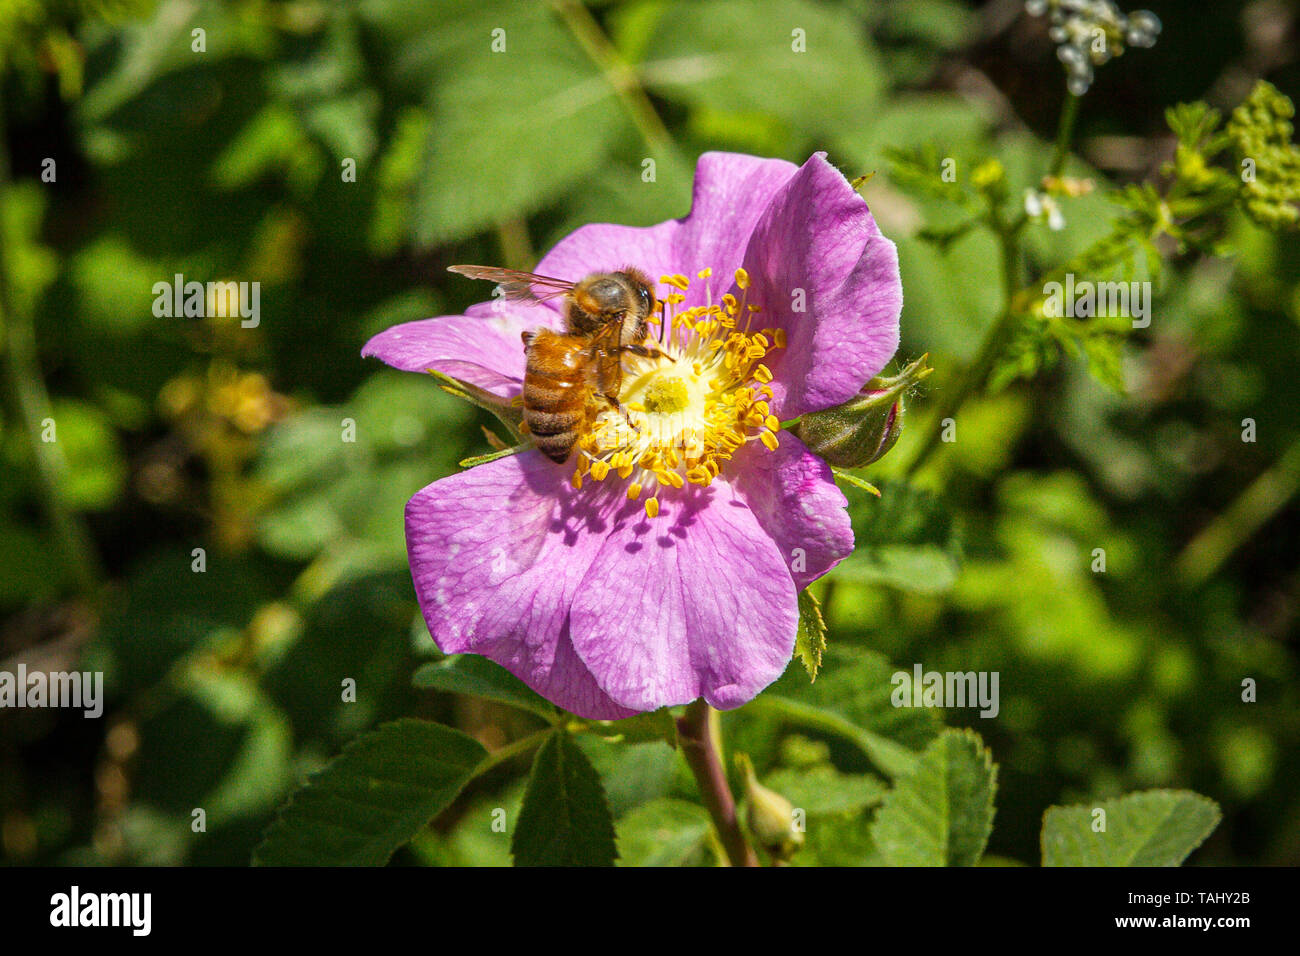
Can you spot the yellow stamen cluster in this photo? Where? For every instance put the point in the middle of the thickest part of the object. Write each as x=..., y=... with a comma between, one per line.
x=687, y=409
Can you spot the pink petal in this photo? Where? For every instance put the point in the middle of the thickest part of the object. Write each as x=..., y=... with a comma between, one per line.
x=694, y=603
x=731, y=192
x=819, y=237
x=793, y=495
x=481, y=347
x=498, y=553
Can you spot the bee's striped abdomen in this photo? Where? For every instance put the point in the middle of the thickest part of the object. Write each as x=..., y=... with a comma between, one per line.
x=555, y=392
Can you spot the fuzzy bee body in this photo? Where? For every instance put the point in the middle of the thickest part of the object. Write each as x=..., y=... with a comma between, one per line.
x=569, y=376
x=558, y=390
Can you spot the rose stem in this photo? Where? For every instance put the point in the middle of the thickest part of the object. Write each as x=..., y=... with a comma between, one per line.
x=698, y=732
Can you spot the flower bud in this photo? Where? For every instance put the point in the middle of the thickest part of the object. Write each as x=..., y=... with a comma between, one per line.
x=769, y=816
x=865, y=427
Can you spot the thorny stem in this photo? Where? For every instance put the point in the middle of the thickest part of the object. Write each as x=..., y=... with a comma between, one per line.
x=31, y=404
x=698, y=731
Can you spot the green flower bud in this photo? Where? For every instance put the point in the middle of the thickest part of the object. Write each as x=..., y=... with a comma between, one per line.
x=865, y=427
x=769, y=816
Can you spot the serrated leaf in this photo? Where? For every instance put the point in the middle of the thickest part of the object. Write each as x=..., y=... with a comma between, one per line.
x=565, y=819
x=1152, y=828
x=941, y=814
x=373, y=797
x=664, y=832
x=480, y=677
x=810, y=641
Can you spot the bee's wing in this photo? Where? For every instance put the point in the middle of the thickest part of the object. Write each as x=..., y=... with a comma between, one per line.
x=517, y=285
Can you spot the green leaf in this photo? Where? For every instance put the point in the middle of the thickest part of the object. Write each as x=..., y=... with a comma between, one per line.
x=480, y=677
x=565, y=818
x=511, y=131
x=824, y=791
x=373, y=797
x=940, y=814
x=743, y=57
x=657, y=725
x=1151, y=828
x=810, y=641
x=905, y=539
x=852, y=699
x=664, y=833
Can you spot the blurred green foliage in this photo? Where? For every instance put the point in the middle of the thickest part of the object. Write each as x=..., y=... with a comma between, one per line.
x=227, y=687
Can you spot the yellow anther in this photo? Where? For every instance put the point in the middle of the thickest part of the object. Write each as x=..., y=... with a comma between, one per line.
x=678, y=281
x=770, y=440
x=652, y=507
x=599, y=469
x=576, y=479
x=779, y=336
x=742, y=278
x=634, y=491
x=762, y=373
x=705, y=273
x=772, y=422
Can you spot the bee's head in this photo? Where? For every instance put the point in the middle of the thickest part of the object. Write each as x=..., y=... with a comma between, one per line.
x=613, y=296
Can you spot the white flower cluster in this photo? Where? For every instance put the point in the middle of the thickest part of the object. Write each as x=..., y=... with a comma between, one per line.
x=1039, y=205
x=1088, y=33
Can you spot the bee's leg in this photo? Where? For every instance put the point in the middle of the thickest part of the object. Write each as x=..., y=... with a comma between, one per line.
x=609, y=390
x=618, y=407
x=644, y=351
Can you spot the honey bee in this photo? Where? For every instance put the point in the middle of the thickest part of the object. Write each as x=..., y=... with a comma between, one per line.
x=568, y=374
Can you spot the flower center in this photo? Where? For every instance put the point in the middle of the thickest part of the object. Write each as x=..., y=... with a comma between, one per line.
x=687, y=407
x=666, y=394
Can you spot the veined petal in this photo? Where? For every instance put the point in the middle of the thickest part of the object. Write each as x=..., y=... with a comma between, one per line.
x=481, y=347
x=793, y=494
x=821, y=269
x=731, y=192
x=498, y=553
x=694, y=603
